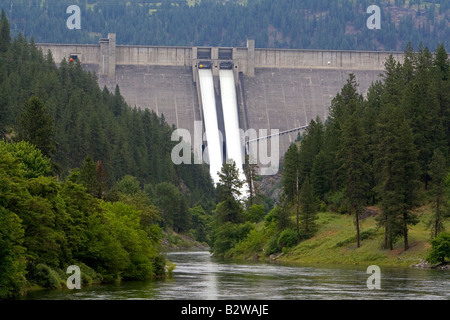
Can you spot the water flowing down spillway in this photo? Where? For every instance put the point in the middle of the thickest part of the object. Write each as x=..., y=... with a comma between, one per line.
x=214, y=143
x=231, y=121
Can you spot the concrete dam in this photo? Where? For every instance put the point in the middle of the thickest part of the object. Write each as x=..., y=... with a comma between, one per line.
x=226, y=89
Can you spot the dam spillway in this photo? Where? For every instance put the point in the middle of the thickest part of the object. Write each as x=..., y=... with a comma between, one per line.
x=214, y=141
x=234, y=144
x=275, y=88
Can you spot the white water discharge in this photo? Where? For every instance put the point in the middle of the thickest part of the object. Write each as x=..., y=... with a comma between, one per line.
x=211, y=127
x=231, y=121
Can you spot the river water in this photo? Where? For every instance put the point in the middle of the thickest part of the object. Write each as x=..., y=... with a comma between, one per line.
x=198, y=276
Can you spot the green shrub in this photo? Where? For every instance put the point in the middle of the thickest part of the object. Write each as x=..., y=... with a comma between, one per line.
x=272, y=246
x=159, y=265
x=44, y=276
x=228, y=235
x=255, y=213
x=440, y=248
x=323, y=207
x=288, y=238
x=336, y=202
x=253, y=243
x=88, y=275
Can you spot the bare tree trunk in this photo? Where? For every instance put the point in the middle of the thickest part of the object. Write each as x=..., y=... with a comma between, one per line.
x=298, y=223
x=358, y=244
x=405, y=233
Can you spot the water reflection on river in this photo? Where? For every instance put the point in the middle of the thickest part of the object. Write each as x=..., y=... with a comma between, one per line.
x=202, y=277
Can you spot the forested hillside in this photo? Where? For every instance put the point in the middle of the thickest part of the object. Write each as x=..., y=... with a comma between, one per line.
x=86, y=120
x=84, y=178
x=306, y=24
x=388, y=151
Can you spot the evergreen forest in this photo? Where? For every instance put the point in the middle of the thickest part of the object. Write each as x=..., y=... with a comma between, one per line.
x=85, y=179
x=388, y=151
x=293, y=24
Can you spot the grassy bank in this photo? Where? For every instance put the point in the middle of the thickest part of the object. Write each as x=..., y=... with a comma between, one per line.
x=335, y=243
x=176, y=241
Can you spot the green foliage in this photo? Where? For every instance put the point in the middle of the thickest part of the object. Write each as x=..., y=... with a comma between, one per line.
x=281, y=216
x=253, y=242
x=173, y=208
x=35, y=125
x=398, y=176
x=44, y=276
x=125, y=221
x=440, y=248
x=366, y=234
x=12, y=262
x=230, y=185
x=128, y=185
x=271, y=246
x=228, y=235
x=32, y=161
x=255, y=213
x=336, y=202
x=290, y=174
x=438, y=172
x=46, y=225
x=308, y=209
x=149, y=214
x=88, y=177
x=287, y=238
x=5, y=37
x=201, y=222
x=352, y=151
x=88, y=275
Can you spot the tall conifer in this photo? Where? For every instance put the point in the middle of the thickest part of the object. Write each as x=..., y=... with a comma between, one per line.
x=398, y=175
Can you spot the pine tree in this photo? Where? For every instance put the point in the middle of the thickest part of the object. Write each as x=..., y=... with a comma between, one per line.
x=421, y=105
x=371, y=110
x=230, y=186
x=398, y=175
x=355, y=168
x=442, y=74
x=5, y=37
x=438, y=172
x=89, y=177
x=290, y=174
x=310, y=146
x=118, y=102
x=251, y=178
x=353, y=155
x=229, y=189
x=35, y=125
x=320, y=176
x=308, y=210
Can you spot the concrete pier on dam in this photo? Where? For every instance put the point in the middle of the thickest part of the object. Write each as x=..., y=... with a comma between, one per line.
x=276, y=89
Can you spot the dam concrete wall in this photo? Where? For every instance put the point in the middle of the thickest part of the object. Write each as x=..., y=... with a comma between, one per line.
x=107, y=54
x=277, y=89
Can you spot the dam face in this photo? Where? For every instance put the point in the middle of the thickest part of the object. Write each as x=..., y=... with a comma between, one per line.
x=275, y=89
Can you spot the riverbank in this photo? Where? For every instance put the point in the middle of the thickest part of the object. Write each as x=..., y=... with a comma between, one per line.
x=175, y=241
x=335, y=243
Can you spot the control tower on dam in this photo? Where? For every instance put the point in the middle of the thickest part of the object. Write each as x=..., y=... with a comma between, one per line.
x=275, y=89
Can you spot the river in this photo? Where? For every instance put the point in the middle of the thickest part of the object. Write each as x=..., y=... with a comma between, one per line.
x=198, y=276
